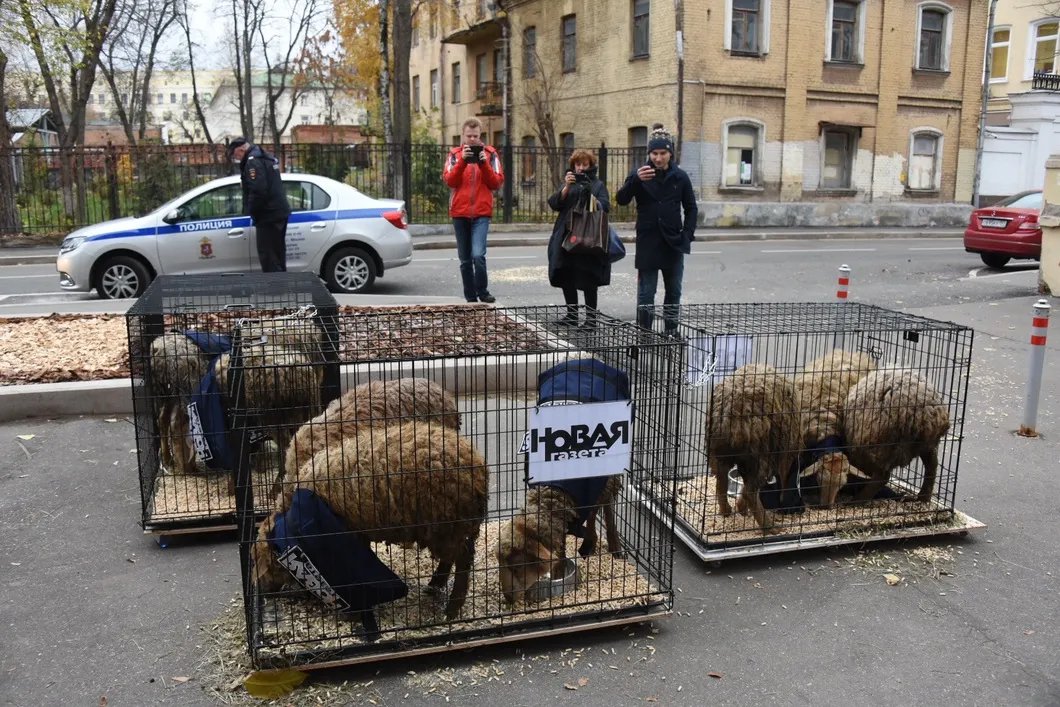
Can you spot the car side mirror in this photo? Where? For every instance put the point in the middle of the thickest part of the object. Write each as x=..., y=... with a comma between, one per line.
x=173, y=216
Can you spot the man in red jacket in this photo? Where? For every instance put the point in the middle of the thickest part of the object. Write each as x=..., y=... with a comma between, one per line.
x=472, y=173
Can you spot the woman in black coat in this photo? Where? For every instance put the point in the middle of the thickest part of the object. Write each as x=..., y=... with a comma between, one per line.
x=577, y=271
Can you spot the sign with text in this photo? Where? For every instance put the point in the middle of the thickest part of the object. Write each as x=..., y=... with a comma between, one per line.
x=578, y=441
x=711, y=358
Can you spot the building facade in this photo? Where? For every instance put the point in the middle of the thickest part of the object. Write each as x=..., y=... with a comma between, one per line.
x=773, y=101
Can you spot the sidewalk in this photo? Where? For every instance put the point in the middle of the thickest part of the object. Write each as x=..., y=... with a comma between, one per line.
x=440, y=236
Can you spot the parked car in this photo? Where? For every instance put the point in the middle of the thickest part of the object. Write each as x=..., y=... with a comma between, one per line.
x=347, y=238
x=1008, y=229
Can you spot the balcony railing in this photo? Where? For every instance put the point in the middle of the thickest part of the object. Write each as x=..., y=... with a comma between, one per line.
x=490, y=95
x=1043, y=81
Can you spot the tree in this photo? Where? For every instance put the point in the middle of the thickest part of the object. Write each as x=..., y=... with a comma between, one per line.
x=185, y=25
x=10, y=219
x=282, y=69
x=247, y=17
x=541, y=91
x=66, y=37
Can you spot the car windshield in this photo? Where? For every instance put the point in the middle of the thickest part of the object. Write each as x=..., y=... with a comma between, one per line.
x=1031, y=200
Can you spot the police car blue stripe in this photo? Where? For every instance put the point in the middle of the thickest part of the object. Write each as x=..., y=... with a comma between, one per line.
x=240, y=222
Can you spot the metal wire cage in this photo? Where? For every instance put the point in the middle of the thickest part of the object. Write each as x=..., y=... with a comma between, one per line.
x=811, y=424
x=416, y=479
x=179, y=335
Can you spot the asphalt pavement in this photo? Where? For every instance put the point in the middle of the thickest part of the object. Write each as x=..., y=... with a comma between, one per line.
x=93, y=608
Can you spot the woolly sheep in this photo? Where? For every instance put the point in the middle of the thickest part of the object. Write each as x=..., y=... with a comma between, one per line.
x=176, y=365
x=374, y=402
x=820, y=390
x=534, y=541
x=888, y=419
x=414, y=482
x=754, y=424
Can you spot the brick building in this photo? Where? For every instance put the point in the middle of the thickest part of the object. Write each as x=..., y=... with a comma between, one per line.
x=831, y=104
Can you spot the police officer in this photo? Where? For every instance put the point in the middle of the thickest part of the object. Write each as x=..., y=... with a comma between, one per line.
x=265, y=200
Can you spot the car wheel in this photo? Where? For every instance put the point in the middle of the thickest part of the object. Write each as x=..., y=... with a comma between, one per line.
x=349, y=270
x=122, y=277
x=995, y=260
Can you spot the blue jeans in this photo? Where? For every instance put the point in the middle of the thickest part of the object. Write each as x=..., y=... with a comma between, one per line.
x=471, y=249
x=648, y=282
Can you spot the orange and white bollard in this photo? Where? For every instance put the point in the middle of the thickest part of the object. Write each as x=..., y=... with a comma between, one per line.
x=1039, y=327
x=844, y=282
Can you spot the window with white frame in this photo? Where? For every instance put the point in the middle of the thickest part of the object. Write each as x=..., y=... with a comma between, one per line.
x=925, y=156
x=416, y=93
x=746, y=26
x=741, y=146
x=846, y=27
x=933, y=37
x=1043, y=46
x=434, y=88
x=999, y=44
x=838, y=146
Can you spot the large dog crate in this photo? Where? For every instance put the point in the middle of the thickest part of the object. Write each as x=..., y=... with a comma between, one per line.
x=721, y=339
x=425, y=456
x=179, y=335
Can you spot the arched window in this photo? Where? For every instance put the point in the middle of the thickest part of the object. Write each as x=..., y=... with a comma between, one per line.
x=925, y=160
x=933, y=36
x=742, y=141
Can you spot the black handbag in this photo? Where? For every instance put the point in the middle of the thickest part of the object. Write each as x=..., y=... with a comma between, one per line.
x=587, y=230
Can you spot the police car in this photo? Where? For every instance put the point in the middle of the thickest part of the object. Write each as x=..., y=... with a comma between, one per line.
x=344, y=236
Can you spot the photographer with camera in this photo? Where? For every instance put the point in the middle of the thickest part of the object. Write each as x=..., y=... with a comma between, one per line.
x=472, y=172
x=666, y=226
x=577, y=271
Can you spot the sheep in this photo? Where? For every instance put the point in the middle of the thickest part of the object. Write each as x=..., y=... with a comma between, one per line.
x=413, y=482
x=888, y=419
x=753, y=423
x=534, y=541
x=374, y=402
x=820, y=390
x=176, y=366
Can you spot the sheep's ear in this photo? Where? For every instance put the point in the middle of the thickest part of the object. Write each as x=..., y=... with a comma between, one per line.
x=854, y=471
x=810, y=470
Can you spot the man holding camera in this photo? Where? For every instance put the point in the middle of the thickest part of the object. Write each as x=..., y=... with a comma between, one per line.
x=663, y=191
x=264, y=200
x=472, y=172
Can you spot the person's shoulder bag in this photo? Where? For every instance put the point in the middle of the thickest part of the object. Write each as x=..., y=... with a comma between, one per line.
x=587, y=229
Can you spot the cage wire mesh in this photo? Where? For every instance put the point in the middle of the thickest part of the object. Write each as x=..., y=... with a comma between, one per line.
x=404, y=520
x=179, y=335
x=806, y=424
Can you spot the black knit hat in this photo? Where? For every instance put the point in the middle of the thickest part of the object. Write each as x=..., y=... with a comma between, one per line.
x=661, y=140
x=236, y=142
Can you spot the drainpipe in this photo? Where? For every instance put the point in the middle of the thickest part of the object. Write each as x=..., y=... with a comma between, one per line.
x=983, y=101
x=679, y=21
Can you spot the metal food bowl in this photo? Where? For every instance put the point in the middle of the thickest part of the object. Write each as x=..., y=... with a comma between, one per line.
x=548, y=587
x=735, y=483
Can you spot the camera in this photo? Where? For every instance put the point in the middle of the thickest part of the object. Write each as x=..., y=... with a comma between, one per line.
x=476, y=150
x=581, y=178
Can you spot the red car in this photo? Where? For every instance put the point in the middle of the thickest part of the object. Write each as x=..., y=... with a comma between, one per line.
x=1008, y=229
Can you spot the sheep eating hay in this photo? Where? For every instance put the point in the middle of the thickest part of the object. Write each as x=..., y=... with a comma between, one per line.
x=890, y=418
x=534, y=542
x=414, y=482
x=754, y=424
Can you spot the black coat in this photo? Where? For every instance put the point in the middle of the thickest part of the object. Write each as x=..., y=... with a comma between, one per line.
x=578, y=270
x=264, y=198
x=663, y=236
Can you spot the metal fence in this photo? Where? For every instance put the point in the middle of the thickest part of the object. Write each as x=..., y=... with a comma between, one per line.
x=58, y=190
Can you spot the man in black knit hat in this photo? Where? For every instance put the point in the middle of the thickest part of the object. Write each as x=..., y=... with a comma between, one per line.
x=666, y=226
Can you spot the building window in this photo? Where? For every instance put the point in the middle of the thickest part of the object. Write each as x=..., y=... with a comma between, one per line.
x=529, y=52
x=482, y=73
x=845, y=44
x=925, y=153
x=102, y=98
x=498, y=66
x=837, y=159
x=160, y=99
x=999, y=44
x=1043, y=48
x=638, y=140
x=183, y=99
x=566, y=141
x=456, y=82
x=434, y=88
x=529, y=162
x=569, y=29
x=172, y=98
x=432, y=29
x=933, y=33
x=416, y=93
x=641, y=25
x=305, y=120
x=498, y=138
x=415, y=34
x=746, y=22
x=741, y=155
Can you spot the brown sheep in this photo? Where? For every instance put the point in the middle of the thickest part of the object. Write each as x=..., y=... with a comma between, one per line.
x=374, y=402
x=533, y=543
x=890, y=418
x=820, y=390
x=176, y=368
x=413, y=482
x=754, y=424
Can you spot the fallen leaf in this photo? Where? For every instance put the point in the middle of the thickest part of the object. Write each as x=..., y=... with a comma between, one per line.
x=1028, y=632
x=569, y=686
x=652, y=699
x=110, y=419
x=892, y=579
x=180, y=679
x=716, y=676
x=26, y=438
x=582, y=682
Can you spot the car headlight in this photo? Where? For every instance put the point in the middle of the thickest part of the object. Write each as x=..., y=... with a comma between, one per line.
x=70, y=244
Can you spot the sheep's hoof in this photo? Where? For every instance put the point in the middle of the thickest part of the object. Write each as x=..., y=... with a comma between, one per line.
x=618, y=554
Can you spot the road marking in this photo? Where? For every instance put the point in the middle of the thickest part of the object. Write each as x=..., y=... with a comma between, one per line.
x=489, y=257
x=940, y=248
x=973, y=274
x=705, y=252
x=822, y=250
x=27, y=277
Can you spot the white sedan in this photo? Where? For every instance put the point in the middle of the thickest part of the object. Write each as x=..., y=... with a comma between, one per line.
x=335, y=231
